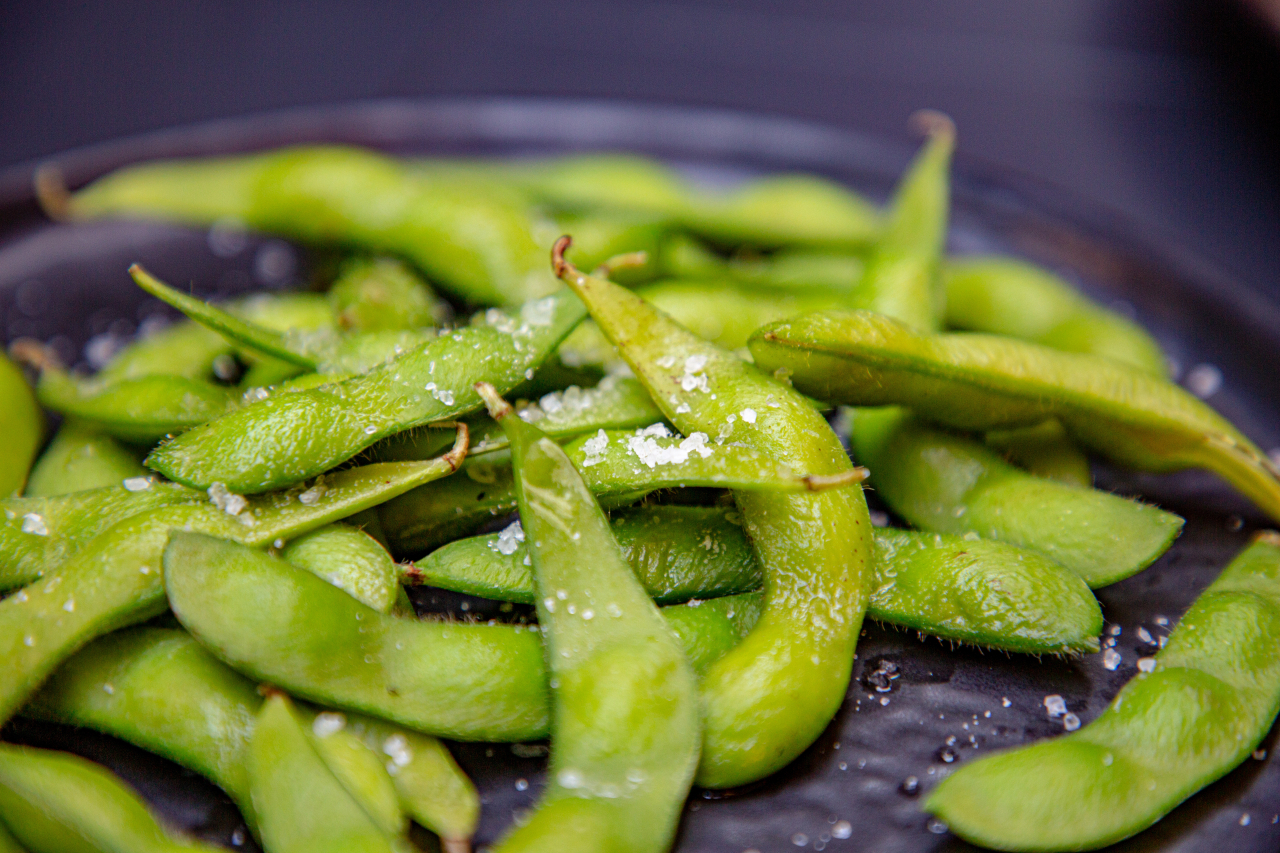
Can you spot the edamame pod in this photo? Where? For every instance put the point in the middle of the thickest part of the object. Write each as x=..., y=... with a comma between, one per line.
x=718, y=311
x=179, y=349
x=976, y=591
x=685, y=258
x=160, y=690
x=290, y=437
x=980, y=382
x=351, y=560
x=280, y=624
x=784, y=210
x=902, y=279
x=144, y=409
x=116, y=580
x=384, y=294
x=473, y=240
x=625, y=728
x=156, y=688
x=80, y=458
x=769, y=698
x=22, y=425
x=617, y=466
x=303, y=807
x=1006, y=296
x=1045, y=450
x=467, y=681
x=950, y=484
x=1209, y=698
x=39, y=534
x=55, y=802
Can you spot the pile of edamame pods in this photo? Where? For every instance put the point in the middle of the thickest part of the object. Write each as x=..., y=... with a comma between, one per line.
x=209, y=558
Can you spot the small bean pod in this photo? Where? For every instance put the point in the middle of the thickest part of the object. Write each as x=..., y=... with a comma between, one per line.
x=1211, y=697
x=950, y=484
x=981, y=382
x=55, y=802
x=625, y=718
x=22, y=425
x=79, y=458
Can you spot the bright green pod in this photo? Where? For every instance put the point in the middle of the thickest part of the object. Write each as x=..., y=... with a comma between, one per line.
x=351, y=560
x=950, y=484
x=677, y=552
x=625, y=718
x=39, y=534
x=902, y=277
x=614, y=403
x=380, y=294
x=160, y=690
x=303, y=807
x=289, y=437
x=54, y=802
x=466, y=681
x=1045, y=450
x=156, y=688
x=769, y=698
x=717, y=310
x=635, y=236
x=142, y=410
x=1006, y=296
x=684, y=258
x=1198, y=710
x=981, y=382
x=708, y=630
x=22, y=425
x=587, y=182
x=282, y=625
x=116, y=580
x=618, y=466
x=80, y=458
x=179, y=349
x=974, y=591
x=784, y=210
x=476, y=242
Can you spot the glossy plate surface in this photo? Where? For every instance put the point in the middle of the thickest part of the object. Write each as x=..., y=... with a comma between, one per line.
x=859, y=787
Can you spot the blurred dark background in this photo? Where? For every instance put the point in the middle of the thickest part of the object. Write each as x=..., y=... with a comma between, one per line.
x=1165, y=111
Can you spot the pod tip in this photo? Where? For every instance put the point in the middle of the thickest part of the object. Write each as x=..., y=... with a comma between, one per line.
x=933, y=123
x=558, y=262
x=1268, y=537
x=51, y=192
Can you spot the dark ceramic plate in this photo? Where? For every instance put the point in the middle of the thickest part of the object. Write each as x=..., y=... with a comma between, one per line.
x=859, y=787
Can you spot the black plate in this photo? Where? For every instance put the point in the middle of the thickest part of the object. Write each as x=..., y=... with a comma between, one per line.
x=850, y=791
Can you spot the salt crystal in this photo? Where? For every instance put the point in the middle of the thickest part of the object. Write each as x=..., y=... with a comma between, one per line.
x=33, y=522
x=1055, y=705
x=1110, y=659
x=137, y=484
x=327, y=723
x=749, y=415
x=1147, y=664
x=509, y=539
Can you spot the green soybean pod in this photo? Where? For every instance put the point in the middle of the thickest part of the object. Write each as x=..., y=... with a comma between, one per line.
x=682, y=257
x=784, y=210
x=381, y=293
x=1210, y=698
x=951, y=484
x=708, y=630
x=143, y=409
x=157, y=689
x=677, y=552
x=473, y=240
x=180, y=349
x=471, y=682
x=289, y=437
x=1006, y=296
x=351, y=560
x=618, y=466
x=79, y=458
x=769, y=698
x=22, y=425
x=599, y=181
x=116, y=580
x=303, y=807
x=970, y=590
x=902, y=276
x=625, y=717
x=55, y=802
x=1045, y=450
x=160, y=690
x=37, y=534
x=980, y=382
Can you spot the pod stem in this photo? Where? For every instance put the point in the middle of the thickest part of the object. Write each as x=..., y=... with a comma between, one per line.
x=461, y=443
x=498, y=407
